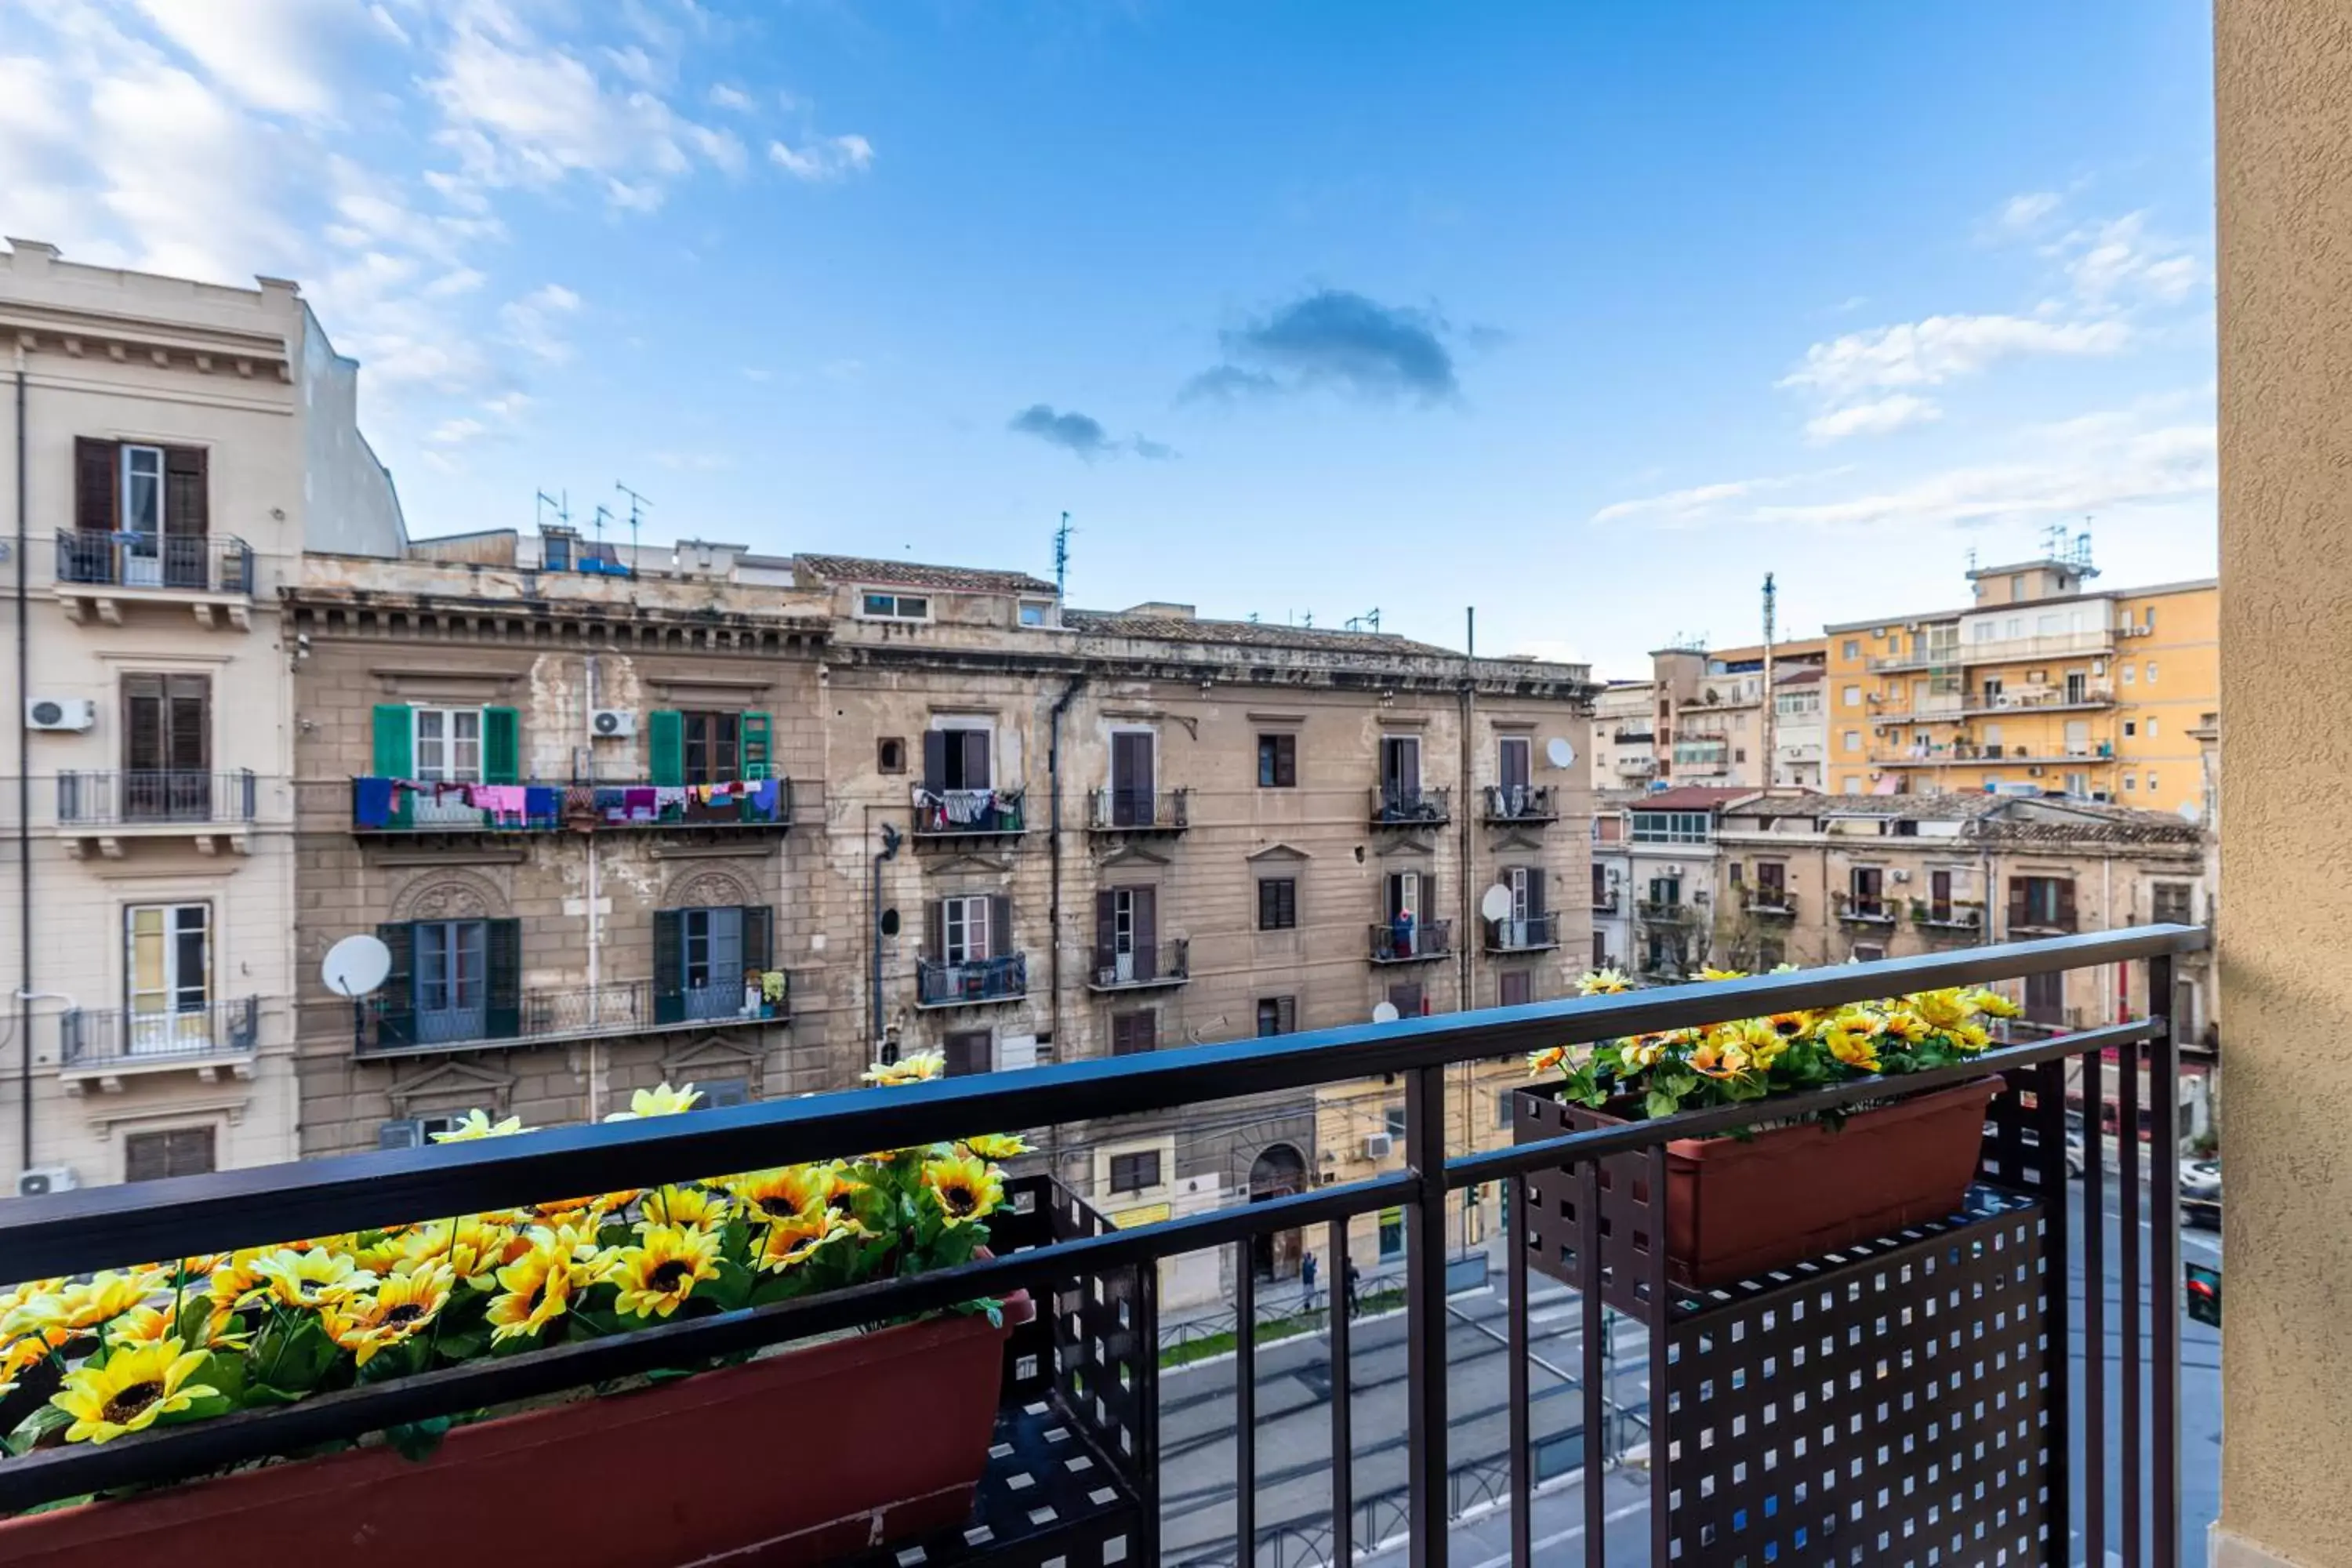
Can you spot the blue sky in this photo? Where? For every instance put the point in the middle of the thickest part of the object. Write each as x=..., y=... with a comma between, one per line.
x=1586, y=315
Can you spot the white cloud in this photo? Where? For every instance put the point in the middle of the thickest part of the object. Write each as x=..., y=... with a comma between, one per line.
x=281, y=56
x=824, y=159
x=2023, y=214
x=1700, y=503
x=1894, y=412
x=457, y=432
x=531, y=321
x=730, y=98
x=2122, y=261
x=1941, y=348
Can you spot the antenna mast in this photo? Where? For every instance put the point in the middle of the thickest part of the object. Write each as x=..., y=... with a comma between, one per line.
x=1062, y=558
x=1771, y=697
x=638, y=506
x=559, y=503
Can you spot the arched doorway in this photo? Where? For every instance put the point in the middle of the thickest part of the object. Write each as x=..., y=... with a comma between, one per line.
x=1279, y=1170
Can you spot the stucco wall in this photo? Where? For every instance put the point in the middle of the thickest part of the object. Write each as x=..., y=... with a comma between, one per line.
x=2284, y=82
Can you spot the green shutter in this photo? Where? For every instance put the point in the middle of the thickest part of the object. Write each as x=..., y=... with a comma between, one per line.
x=668, y=744
x=669, y=966
x=395, y=1000
x=395, y=751
x=505, y=979
x=502, y=746
x=755, y=746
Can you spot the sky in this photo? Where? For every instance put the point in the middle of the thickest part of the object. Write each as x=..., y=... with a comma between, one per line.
x=1584, y=316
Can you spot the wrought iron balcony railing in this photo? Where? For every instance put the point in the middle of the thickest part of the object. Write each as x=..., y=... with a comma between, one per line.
x=454, y=1020
x=91, y=1040
x=1948, y=914
x=1140, y=969
x=1138, y=811
x=971, y=981
x=1412, y=806
x=955, y=814
x=215, y=564
x=391, y=807
x=1666, y=911
x=1859, y=909
x=2060, y=1333
x=1528, y=804
x=1775, y=903
x=1523, y=933
x=1419, y=942
x=155, y=797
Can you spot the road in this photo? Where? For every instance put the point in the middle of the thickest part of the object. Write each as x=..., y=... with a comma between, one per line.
x=1293, y=1425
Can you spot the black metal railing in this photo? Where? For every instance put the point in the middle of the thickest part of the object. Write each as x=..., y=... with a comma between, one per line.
x=968, y=812
x=214, y=563
x=1138, y=810
x=1948, y=914
x=1117, y=968
x=156, y=796
x=1521, y=803
x=1523, y=933
x=939, y=984
x=1864, y=909
x=1606, y=900
x=1412, y=806
x=1394, y=941
x=2095, y=1480
x=1777, y=902
x=1666, y=911
x=541, y=1016
x=406, y=805
x=129, y=1036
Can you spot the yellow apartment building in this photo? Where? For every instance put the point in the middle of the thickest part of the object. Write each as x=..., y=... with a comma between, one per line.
x=2042, y=685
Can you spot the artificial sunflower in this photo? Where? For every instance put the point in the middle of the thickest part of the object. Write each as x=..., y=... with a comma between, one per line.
x=1905, y=1026
x=790, y=1240
x=473, y=1249
x=400, y=1308
x=18, y=1356
x=683, y=1206
x=135, y=1388
x=478, y=1124
x=786, y=1192
x=1709, y=971
x=1853, y=1044
x=104, y=1298
x=1602, y=982
x=996, y=1146
x=1551, y=1058
x=917, y=1067
x=310, y=1280
x=1993, y=1005
x=1644, y=1051
x=660, y=1272
x=1946, y=1010
x=662, y=1101
x=965, y=1189
x=140, y=1326
x=538, y=1287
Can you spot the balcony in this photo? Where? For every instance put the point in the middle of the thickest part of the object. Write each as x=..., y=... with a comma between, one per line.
x=1942, y=655
x=1771, y=904
x=1862, y=909
x=399, y=808
x=104, y=575
x=2060, y=645
x=1423, y=944
x=207, y=1039
x=1519, y=806
x=967, y=815
x=1940, y=709
x=732, y=998
x=105, y=811
x=1528, y=933
x=1951, y=917
x=1636, y=766
x=1470, y=1449
x=1607, y=900
x=1138, y=811
x=1140, y=969
x=973, y=983
x=1412, y=806
x=1666, y=912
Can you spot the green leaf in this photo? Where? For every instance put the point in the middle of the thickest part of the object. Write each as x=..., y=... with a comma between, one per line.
x=223, y=1371
x=294, y=1353
x=1662, y=1102
x=416, y=1440
x=34, y=1428
x=258, y=1395
x=463, y=1344
x=731, y=1290
x=202, y=1408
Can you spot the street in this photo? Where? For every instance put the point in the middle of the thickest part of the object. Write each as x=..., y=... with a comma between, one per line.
x=1293, y=1425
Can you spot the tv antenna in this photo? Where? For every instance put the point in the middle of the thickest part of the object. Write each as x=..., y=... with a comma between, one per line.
x=1771, y=702
x=559, y=503
x=638, y=506
x=603, y=516
x=1062, y=558
x=1370, y=617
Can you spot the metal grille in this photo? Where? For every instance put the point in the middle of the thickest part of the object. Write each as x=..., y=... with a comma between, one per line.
x=1555, y=1217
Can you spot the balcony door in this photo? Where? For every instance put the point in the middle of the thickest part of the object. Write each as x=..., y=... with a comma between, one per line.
x=168, y=965
x=1771, y=883
x=1514, y=761
x=1939, y=895
x=166, y=747
x=710, y=944
x=452, y=959
x=1525, y=883
x=1126, y=934
x=1868, y=886
x=1400, y=771
x=1131, y=780
x=1402, y=908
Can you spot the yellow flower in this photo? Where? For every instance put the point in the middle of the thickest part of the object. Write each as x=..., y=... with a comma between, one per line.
x=683, y=1206
x=792, y=1239
x=140, y=1326
x=478, y=1124
x=1970, y=1036
x=1854, y=1045
x=662, y=1101
x=1708, y=972
x=657, y=1275
x=235, y=1280
x=1644, y=1050
x=921, y=1066
x=786, y=1193
x=310, y=1280
x=1945, y=1009
x=29, y=1351
x=472, y=1248
x=1550, y=1059
x=130, y=1392
x=108, y=1295
x=965, y=1190
x=401, y=1307
x=1992, y=1005
x=1905, y=1025
x=538, y=1287
x=1602, y=982
x=996, y=1146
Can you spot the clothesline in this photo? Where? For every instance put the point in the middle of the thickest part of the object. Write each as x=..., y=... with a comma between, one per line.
x=376, y=801
x=963, y=807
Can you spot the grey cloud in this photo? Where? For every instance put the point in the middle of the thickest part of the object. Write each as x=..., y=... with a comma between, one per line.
x=1081, y=434
x=1335, y=337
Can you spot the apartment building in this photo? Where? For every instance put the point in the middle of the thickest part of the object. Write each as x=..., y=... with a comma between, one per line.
x=1655, y=882
x=2043, y=685
x=1702, y=717
x=1624, y=735
x=182, y=443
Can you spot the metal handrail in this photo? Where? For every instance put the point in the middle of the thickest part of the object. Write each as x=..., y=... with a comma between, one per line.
x=214, y=563
x=87, y=1036
x=156, y=796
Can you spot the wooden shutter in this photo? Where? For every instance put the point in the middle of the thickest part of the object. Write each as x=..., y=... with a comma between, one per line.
x=187, y=728
x=967, y=1052
x=1514, y=761
x=144, y=1157
x=1535, y=893
x=999, y=927
x=143, y=724
x=505, y=974
x=757, y=735
x=1286, y=761
x=935, y=930
x=666, y=746
x=669, y=966
x=1145, y=902
x=935, y=760
x=1286, y=1011
x=2016, y=916
x=502, y=746
x=975, y=760
x=1516, y=988
x=395, y=1003
x=1106, y=925
x=2066, y=903
x=1939, y=889
x=186, y=502
x=98, y=485
x=176, y=1152
x=758, y=938
x=1405, y=997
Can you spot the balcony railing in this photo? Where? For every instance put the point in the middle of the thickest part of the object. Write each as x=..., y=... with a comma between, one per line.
x=1412, y=806
x=1421, y=943
x=1665, y=911
x=1607, y=900
x=93, y=1041
x=971, y=981
x=1862, y=908
x=965, y=814
x=1992, y=1295
x=1779, y=903
x=1959, y=915
x=216, y=563
x=1520, y=804
x=384, y=805
x=414, y=1022
x=1524, y=933
x=1138, y=811
x=141, y=797
x=1141, y=968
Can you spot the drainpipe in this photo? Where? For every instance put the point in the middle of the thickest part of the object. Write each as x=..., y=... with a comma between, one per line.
x=24, y=813
x=889, y=851
x=1053, y=903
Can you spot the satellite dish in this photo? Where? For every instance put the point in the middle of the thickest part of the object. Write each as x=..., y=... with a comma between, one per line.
x=1495, y=904
x=1386, y=1013
x=1560, y=753
x=356, y=966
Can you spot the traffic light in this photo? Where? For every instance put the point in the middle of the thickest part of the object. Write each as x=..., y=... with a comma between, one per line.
x=2201, y=1289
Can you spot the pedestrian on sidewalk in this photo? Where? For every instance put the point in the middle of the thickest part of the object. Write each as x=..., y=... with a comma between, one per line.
x=1352, y=1278
x=1306, y=1282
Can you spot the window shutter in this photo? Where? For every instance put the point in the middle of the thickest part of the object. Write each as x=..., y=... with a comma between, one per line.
x=395, y=738
x=98, y=485
x=1286, y=1011
x=2016, y=916
x=1535, y=893
x=666, y=754
x=409, y=1134
x=669, y=966
x=975, y=760
x=757, y=740
x=935, y=760
x=146, y=1157
x=1285, y=762
x=505, y=965
x=502, y=746
x=186, y=502
x=143, y=724
x=187, y=707
x=999, y=927
x=2066, y=904
x=1106, y=925
x=1409, y=767
x=395, y=1003
x=934, y=931
x=1146, y=933
x=1287, y=901
x=758, y=938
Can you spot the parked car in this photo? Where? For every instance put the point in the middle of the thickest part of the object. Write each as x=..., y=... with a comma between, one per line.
x=2200, y=1195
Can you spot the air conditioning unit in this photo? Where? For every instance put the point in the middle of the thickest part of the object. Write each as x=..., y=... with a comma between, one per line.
x=1898, y=874
x=59, y=713
x=2033, y=773
x=612, y=724
x=43, y=1180
x=1379, y=1145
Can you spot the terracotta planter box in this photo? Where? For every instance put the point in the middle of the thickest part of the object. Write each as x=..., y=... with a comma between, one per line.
x=1735, y=1209
x=797, y=1458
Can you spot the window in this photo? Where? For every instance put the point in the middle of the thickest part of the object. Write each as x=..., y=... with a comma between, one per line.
x=2131, y=781
x=1868, y=952
x=1278, y=903
x=1853, y=740
x=1506, y=1109
x=1392, y=1233
x=964, y=934
x=890, y=755
x=167, y=970
x=1851, y=697
x=1277, y=761
x=2042, y=903
x=142, y=492
x=1135, y=1173
x=2045, y=998
x=1513, y=768
x=1853, y=648
x=1740, y=755
x=180, y=1151
x=1771, y=952
x=968, y=1052
x=1671, y=827
x=2171, y=902
x=1992, y=690
x=449, y=745
x=2130, y=729
x=1276, y=1015
x=1406, y=998
x=1984, y=631
x=452, y=974
x=2151, y=781
x=897, y=607
x=1601, y=949
x=166, y=747
x=2148, y=617
x=708, y=961
x=713, y=747
x=2151, y=673
x=723, y=1093
x=1851, y=784
x=2016, y=586
x=1036, y=612
x=2151, y=727
x=956, y=759
x=1392, y=1123
x=1515, y=988
x=1132, y=1033
x=2131, y=674
x=1133, y=774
